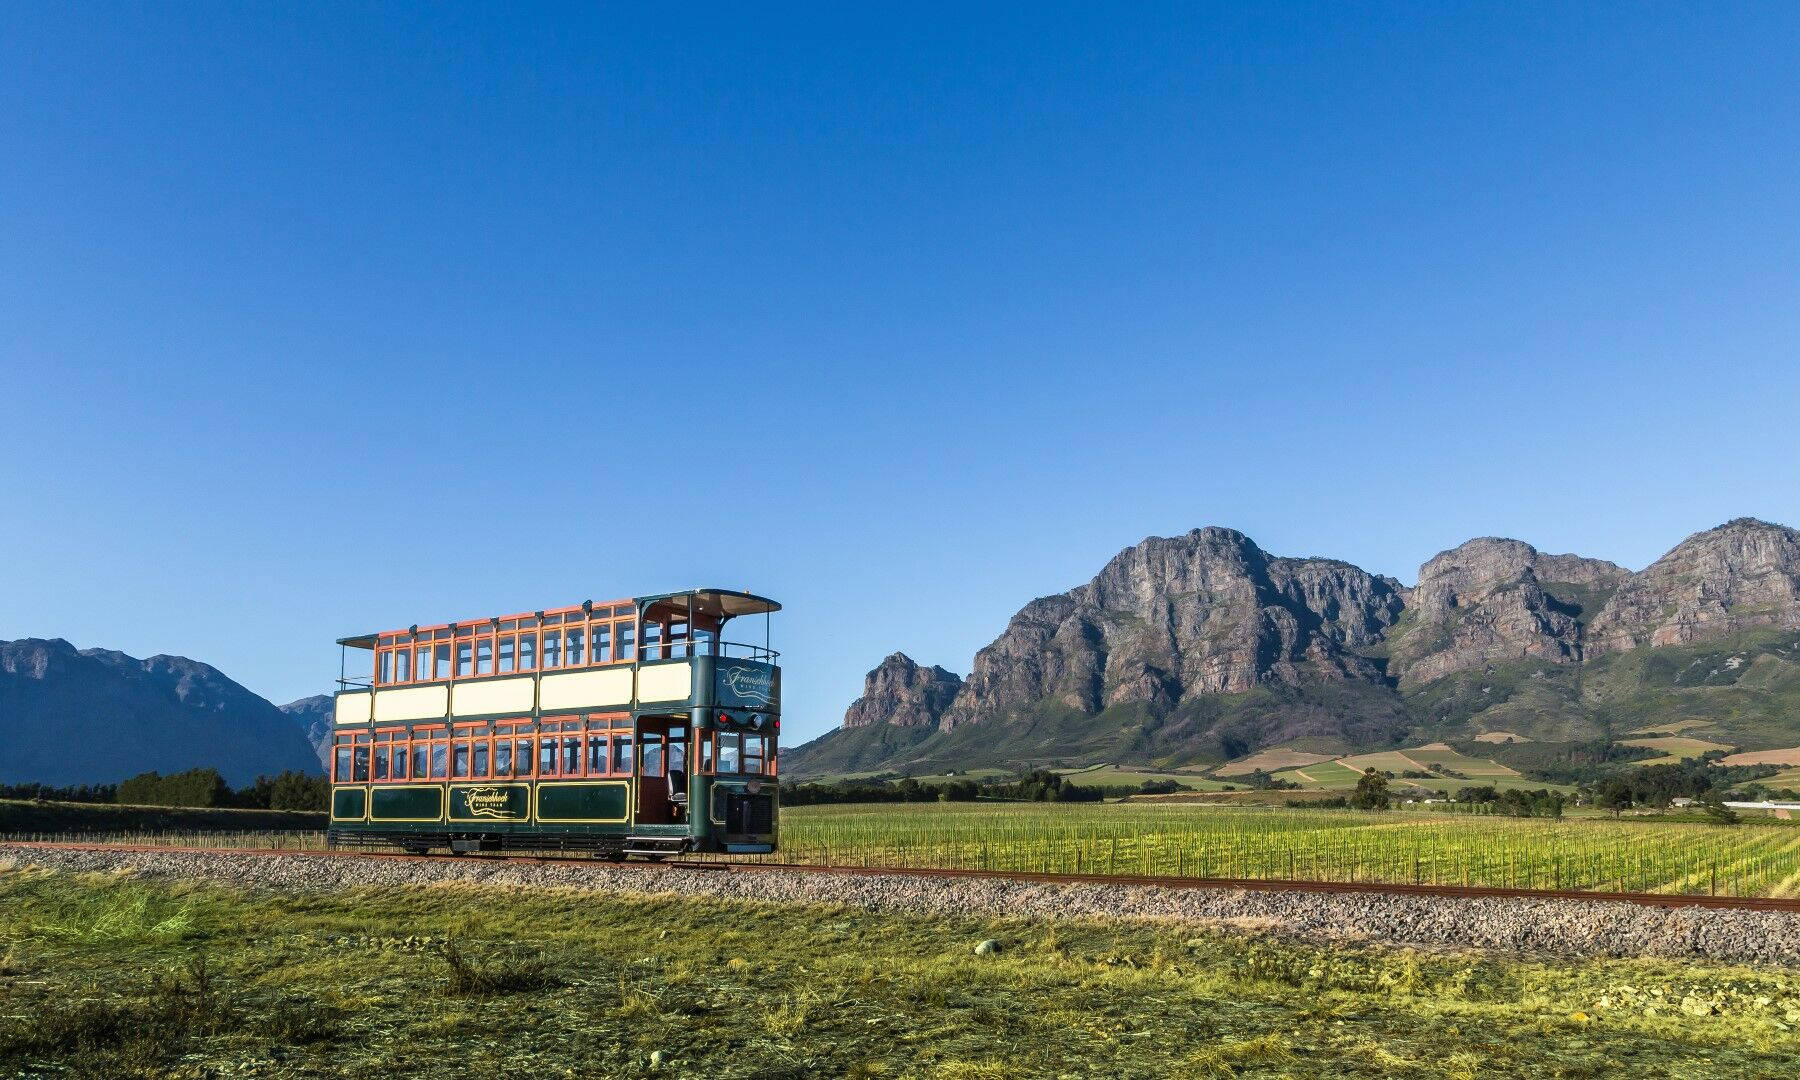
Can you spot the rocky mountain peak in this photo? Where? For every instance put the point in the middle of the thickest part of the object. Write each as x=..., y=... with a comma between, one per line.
x=1741, y=575
x=1205, y=612
x=1494, y=598
x=901, y=692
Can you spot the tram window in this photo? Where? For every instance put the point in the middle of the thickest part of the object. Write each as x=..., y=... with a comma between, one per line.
x=706, y=752
x=505, y=650
x=342, y=773
x=547, y=756
x=440, y=662
x=387, y=667
x=464, y=655
x=706, y=642
x=360, y=765
x=552, y=649
x=484, y=656
x=677, y=748
x=382, y=754
x=596, y=756
x=729, y=747
x=627, y=646
x=571, y=755
x=522, y=757
x=439, y=753
x=754, y=753
x=652, y=641
x=652, y=754
x=399, y=760
x=480, y=764
x=678, y=639
x=603, y=653
x=528, y=651
x=421, y=760
x=459, y=758
x=575, y=641
x=621, y=764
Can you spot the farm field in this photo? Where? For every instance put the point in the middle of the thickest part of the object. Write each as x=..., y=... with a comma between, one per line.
x=1128, y=776
x=1341, y=774
x=1315, y=845
x=26, y=816
x=114, y=977
x=1790, y=756
x=1675, y=748
x=1272, y=760
x=1323, y=774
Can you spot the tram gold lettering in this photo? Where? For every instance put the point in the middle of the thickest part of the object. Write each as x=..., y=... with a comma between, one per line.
x=488, y=802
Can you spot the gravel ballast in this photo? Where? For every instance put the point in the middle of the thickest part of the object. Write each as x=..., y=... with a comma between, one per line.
x=1558, y=927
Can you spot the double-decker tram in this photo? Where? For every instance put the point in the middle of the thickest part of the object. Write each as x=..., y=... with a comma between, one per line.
x=631, y=727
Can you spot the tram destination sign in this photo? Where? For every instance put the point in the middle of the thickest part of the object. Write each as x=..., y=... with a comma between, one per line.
x=748, y=684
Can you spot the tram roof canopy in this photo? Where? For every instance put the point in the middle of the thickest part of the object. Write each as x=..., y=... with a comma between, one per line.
x=718, y=603
x=721, y=603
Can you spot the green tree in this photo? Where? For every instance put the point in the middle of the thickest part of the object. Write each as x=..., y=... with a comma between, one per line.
x=1710, y=804
x=299, y=791
x=1371, y=791
x=195, y=787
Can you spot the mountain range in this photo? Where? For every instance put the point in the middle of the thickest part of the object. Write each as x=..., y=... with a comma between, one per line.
x=94, y=716
x=1202, y=648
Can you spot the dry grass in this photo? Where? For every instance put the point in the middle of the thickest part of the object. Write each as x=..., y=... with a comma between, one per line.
x=339, y=984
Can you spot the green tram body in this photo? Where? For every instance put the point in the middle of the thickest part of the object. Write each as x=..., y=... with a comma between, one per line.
x=570, y=730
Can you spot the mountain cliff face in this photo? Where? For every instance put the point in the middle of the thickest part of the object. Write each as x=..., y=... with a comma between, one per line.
x=316, y=716
x=901, y=692
x=71, y=716
x=1202, y=645
x=1492, y=599
x=1743, y=574
x=1173, y=618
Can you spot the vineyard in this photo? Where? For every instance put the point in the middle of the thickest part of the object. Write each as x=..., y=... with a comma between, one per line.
x=1304, y=845
x=1400, y=847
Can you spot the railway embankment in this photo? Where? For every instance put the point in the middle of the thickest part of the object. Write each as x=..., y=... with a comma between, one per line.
x=1573, y=928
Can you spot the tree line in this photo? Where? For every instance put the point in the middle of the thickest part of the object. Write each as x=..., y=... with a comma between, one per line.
x=1040, y=785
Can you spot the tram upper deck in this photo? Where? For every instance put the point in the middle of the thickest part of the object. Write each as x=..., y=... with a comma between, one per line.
x=666, y=652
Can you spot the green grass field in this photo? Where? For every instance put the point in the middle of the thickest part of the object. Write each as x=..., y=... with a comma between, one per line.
x=116, y=978
x=23, y=817
x=1320, y=845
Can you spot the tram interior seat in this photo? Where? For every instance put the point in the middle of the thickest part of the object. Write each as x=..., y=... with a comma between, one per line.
x=678, y=787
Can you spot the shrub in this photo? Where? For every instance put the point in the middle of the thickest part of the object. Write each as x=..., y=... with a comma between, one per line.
x=503, y=975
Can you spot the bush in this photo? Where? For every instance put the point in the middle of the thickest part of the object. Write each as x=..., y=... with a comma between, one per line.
x=504, y=975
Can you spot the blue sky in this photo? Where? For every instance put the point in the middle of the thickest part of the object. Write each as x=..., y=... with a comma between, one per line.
x=323, y=319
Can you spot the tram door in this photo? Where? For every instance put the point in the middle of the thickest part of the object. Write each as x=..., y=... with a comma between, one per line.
x=662, y=771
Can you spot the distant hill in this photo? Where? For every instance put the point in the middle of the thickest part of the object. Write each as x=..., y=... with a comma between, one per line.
x=1202, y=649
x=315, y=716
x=83, y=716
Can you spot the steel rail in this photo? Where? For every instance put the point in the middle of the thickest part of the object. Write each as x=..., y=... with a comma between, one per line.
x=1456, y=892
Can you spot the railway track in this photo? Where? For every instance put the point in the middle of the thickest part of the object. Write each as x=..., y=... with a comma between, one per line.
x=1662, y=900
